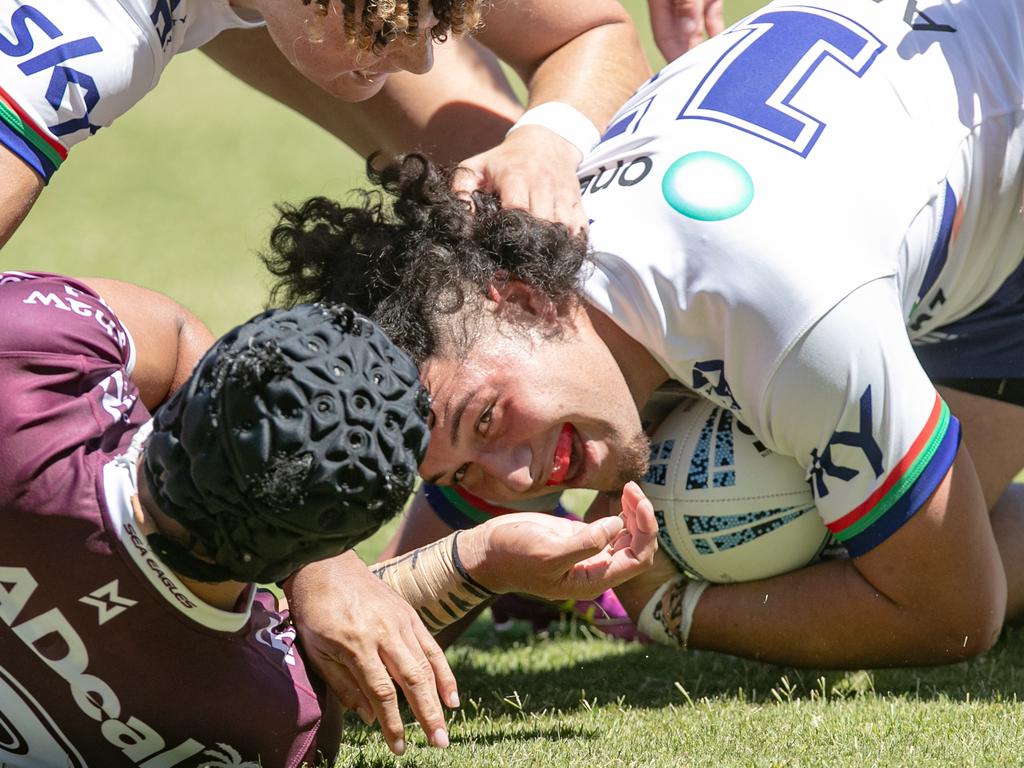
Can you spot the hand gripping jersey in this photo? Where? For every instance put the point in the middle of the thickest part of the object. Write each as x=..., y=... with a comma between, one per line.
x=780, y=212
x=106, y=658
x=69, y=68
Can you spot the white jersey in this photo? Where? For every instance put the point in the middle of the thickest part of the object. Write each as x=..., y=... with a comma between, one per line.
x=779, y=212
x=71, y=67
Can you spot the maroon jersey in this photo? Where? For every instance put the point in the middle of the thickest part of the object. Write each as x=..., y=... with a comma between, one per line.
x=106, y=658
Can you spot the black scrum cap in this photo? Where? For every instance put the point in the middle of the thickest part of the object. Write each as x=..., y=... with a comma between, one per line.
x=298, y=434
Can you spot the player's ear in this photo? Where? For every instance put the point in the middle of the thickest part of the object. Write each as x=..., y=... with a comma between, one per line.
x=519, y=300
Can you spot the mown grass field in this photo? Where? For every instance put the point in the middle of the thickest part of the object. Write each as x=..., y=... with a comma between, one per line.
x=178, y=195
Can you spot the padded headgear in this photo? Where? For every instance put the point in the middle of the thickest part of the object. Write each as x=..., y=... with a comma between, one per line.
x=298, y=434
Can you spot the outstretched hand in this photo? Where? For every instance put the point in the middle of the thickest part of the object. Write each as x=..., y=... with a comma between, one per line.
x=556, y=558
x=679, y=25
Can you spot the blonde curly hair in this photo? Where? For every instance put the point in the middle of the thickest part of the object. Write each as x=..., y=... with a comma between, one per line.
x=383, y=21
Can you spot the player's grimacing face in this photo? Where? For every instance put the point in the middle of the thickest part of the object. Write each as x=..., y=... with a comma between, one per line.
x=521, y=415
x=327, y=59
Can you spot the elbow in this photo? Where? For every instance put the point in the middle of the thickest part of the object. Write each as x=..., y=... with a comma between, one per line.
x=980, y=628
x=964, y=628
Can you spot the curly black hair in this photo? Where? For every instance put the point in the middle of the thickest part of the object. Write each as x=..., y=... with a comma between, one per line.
x=414, y=253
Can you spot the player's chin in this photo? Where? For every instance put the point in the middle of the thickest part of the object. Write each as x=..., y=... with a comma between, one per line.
x=355, y=86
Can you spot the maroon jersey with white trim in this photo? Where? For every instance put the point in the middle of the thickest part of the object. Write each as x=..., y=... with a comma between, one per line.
x=106, y=658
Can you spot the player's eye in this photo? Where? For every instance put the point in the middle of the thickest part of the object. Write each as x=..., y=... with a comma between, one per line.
x=460, y=473
x=485, y=420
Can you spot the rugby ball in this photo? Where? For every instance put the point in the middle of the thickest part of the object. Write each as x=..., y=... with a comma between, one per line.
x=728, y=509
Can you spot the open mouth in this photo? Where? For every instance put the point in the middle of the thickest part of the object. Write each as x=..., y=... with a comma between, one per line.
x=565, y=464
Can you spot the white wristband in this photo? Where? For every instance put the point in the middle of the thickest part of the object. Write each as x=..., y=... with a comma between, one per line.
x=564, y=120
x=668, y=615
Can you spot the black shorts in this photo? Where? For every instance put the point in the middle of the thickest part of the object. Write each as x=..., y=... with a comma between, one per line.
x=1006, y=390
x=982, y=353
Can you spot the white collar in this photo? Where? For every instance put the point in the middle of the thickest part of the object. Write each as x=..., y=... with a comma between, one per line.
x=119, y=486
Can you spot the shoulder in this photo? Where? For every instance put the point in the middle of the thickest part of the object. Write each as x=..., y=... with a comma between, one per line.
x=58, y=315
x=851, y=402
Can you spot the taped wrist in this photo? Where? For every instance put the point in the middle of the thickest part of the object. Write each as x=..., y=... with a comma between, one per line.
x=433, y=580
x=565, y=121
x=668, y=615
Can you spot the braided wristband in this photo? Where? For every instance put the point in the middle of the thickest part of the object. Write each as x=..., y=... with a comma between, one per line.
x=564, y=120
x=668, y=615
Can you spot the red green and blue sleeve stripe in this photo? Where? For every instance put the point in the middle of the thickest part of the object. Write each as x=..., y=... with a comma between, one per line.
x=460, y=509
x=907, y=486
x=20, y=134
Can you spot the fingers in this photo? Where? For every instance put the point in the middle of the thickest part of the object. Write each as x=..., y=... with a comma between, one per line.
x=467, y=180
x=531, y=171
x=348, y=692
x=412, y=663
x=674, y=25
x=638, y=514
x=679, y=25
x=714, y=17
x=447, y=686
x=427, y=680
x=372, y=677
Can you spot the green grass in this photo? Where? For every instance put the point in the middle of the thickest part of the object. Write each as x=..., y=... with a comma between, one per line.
x=571, y=701
x=178, y=195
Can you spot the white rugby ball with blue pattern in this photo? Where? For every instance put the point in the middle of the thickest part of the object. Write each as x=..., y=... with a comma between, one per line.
x=728, y=509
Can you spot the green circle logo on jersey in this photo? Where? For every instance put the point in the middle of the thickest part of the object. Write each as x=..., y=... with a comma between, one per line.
x=707, y=186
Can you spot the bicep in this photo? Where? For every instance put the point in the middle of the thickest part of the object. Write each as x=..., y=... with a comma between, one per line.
x=20, y=186
x=945, y=553
x=169, y=340
x=525, y=32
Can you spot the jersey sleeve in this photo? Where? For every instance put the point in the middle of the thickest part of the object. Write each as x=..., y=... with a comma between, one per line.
x=851, y=402
x=53, y=314
x=53, y=57
x=65, y=363
x=459, y=509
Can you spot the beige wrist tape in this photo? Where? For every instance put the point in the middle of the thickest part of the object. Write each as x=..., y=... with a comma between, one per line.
x=433, y=581
x=668, y=615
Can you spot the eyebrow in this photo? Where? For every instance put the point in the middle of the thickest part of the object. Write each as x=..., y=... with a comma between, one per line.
x=457, y=415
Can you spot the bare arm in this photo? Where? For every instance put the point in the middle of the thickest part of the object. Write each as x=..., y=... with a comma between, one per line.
x=169, y=340
x=20, y=186
x=461, y=107
x=934, y=592
x=585, y=54
x=529, y=552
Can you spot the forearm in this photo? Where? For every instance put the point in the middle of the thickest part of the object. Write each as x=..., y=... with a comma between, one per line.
x=433, y=580
x=463, y=106
x=582, y=72
x=826, y=615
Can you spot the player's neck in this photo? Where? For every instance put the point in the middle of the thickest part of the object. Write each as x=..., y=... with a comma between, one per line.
x=643, y=374
x=224, y=594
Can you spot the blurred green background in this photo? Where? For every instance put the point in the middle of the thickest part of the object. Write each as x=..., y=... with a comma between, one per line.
x=178, y=194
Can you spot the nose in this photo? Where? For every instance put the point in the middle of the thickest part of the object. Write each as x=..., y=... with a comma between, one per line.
x=508, y=468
